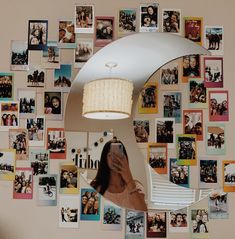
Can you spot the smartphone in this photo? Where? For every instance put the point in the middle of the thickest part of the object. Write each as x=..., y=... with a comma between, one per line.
x=117, y=148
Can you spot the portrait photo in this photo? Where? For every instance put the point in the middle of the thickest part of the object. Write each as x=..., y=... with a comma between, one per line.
x=178, y=221
x=172, y=106
x=228, y=170
x=126, y=21
x=7, y=164
x=213, y=72
x=171, y=20
x=84, y=19
x=149, y=17
x=63, y=77
x=36, y=76
x=6, y=86
x=213, y=39
x=66, y=34
x=141, y=130
x=193, y=29
x=193, y=123
x=218, y=105
x=37, y=34
x=19, y=55
x=199, y=222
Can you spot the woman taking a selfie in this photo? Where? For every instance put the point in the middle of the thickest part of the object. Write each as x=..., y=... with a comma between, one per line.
x=114, y=179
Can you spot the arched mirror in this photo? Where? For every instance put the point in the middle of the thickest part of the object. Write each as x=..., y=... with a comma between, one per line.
x=138, y=57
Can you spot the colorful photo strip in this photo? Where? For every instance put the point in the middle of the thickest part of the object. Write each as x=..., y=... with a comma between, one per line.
x=157, y=157
x=7, y=164
x=23, y=184
x=36, y=76
x=199, y=223
x=171, y=20
x=63, y=78
x=178, y=221
x=66, y=34
x=186, y=149
x=228, y=169
x=90, y=205
x=126, y=21
x=6, y=86
x=141, y=130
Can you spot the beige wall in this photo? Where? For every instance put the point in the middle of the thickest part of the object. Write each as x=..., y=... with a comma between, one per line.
x=22, y=219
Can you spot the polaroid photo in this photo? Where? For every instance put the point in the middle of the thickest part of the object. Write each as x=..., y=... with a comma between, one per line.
x=186, y=149
x=9, y=112
x=47, y=190
x=53, y=105
x=18, y=140
x=193, y=123
x=7, y=164
x=63, y=77
x=171, y=21
x=213, y=72
x=157, y=157
x=228, y=170
x=19, y=56
x=36, y=130
x=68, y=211
x=172, y=105
x=199, y=223
x=179, y=174
x=165, y=131
x=84, y=19
x=193, y=29
x=214, y=39
x=126, y=21
x=37, y=34
x=83, y=51
x=27, y=99
x=23, y=184
x=51, y=56
x=36, y=76
x=141, y=130
x=149, y=17
x=66, y=34
x=218, y=105
x=39, y=161
x=6, y=86
x=178, y=221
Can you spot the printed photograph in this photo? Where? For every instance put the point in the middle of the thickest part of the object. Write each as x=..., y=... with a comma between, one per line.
x=112, y=216
x=126, y=21
x=56, y=143
x=156, y=224
x=218, y=205
x=147, y=101
x=186, y=149
x=84, y=19
x=171, y=20
x=90, y=205
x=36, y=76
x=104, y=28
x=27, y=99
x=193, y=29
x=7, y=164
x=51, y=55
x=134, y=225
x=169, y=74
x=66, y=34
x=63, y=77
x=197, y=94
x=165, y=131
x=53, y=105
x=69, y=179
x=149, y=17
x=141, y=130
x=157, y=157
x=216, y=143
x=218, y=106
x=19, y=55
x=9, y=112
x=213, y=72
x=213, y=39
x=172, y=106
x=23, y=184
x=179, y=174
x=68, y=211
x=83, y=51
x=36, y=130
x=178, y=221
x=199, y=221
x=18, y=140
x=39, y=161
x=228, y=175
x=47, y=190
x=6, y=86
x=193, y=123
x=37, y=34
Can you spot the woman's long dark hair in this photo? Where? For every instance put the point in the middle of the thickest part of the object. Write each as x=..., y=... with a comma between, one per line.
x=102, y=177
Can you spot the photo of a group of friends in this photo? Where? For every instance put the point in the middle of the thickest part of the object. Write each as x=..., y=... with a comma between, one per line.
x=156, y=224
x=141, y=130
x=39, y=161
x=193, y=29
x=170, y=74
x=9, y=115
x=27, y=100
x=178, y=218
x=127, y=21
x=67, y=36
x=6, y=86
x=208, y=171
x=171, y=21
x=214, y=39
x=199, y=221
x=197, y=92
x=191, y=66
x=36, y=76
x=84, y=15
x=53, y=104
x=35, y=127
